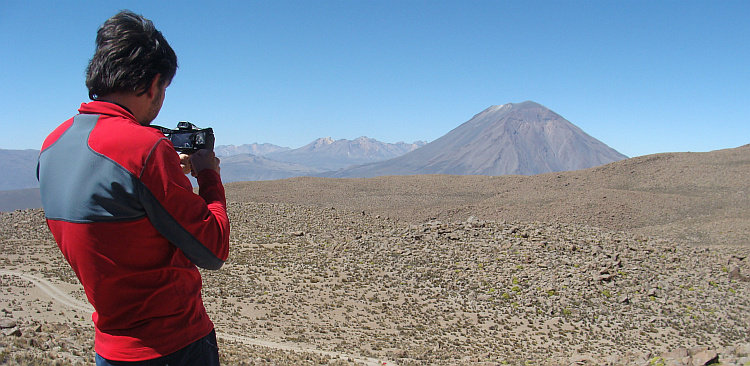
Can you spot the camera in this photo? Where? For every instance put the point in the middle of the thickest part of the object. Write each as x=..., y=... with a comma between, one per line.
x=187, y=138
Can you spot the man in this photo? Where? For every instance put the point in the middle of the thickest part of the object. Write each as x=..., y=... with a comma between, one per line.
x=123, y=212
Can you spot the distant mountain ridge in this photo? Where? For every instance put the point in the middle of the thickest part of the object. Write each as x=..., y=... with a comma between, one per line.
x=515, y=138
x=328, y=154
x=321, y=155
x=254, y=148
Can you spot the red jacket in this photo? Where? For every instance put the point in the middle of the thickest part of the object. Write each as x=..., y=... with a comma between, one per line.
x=126, y=219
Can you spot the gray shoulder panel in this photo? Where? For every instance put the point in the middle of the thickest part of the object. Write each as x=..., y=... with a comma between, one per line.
x=80, y=185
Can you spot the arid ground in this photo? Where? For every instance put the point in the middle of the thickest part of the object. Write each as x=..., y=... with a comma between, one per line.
x=642, y=261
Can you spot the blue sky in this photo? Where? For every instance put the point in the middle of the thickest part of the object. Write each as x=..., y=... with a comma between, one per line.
x=641, y=76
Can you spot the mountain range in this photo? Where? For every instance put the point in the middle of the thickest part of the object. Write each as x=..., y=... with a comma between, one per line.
x=329, y=154
x=254, y=149
x=270, y=162
x=515, y=138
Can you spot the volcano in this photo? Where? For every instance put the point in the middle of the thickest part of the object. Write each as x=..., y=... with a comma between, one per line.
x=515, y=138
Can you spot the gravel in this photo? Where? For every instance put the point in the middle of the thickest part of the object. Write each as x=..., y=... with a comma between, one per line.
x=398, y=271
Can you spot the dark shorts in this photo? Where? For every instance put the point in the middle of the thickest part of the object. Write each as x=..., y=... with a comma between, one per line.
x=203, y=352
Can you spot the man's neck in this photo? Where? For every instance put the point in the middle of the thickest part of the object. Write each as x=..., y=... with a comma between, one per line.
x=129, y=101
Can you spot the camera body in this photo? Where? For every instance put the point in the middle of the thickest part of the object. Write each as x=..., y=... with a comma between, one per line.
x=187, y=138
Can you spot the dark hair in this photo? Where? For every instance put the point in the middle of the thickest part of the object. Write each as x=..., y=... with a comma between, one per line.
x=130, y=52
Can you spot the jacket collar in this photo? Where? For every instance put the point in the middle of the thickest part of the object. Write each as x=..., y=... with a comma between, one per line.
x=106, y=108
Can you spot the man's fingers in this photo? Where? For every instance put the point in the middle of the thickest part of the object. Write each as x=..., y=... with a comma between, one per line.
x=204, y=159
x=185, y=163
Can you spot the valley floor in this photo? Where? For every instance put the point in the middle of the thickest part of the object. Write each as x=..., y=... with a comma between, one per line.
x=311, y=285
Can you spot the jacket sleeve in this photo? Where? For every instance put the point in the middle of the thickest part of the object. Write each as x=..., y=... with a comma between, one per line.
x=197, y=224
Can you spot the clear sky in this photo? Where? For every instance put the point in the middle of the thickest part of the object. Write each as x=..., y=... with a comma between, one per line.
x=641, y=76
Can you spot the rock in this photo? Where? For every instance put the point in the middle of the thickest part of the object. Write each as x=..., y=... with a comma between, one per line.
x=33, y=342
x=705, y=358
x=7, y=323
x=678, y=353
x=675, y=362
x=743, y=350
x=734, y=274
x=677, y=357
x=615, y=359
x=582, y=360
x=474, y=222
x=605, y=277
x=12, y=332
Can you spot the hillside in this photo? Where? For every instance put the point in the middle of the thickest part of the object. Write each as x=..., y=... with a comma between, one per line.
x=18, y=199
x=18, y=169
x=247, y=167
x=698, y=197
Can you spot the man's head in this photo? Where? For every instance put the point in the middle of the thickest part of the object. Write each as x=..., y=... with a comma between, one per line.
x=130, y=55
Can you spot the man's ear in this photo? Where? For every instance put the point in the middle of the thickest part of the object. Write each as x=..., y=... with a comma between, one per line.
x=153, y=90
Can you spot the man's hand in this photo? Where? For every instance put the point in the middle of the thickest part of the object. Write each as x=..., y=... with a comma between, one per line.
x=185, y=163
x=201, y=159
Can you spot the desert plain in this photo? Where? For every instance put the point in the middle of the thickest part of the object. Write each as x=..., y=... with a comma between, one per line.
x=639, y=262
